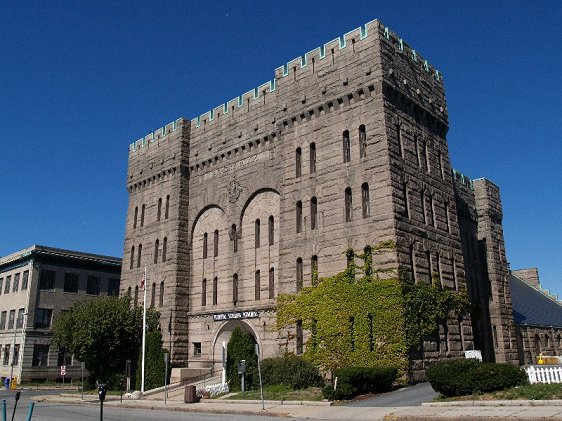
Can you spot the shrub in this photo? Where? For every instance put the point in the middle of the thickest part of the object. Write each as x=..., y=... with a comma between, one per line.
x=470, y=376
x=241, y=347
x=354, y=381
x=292, y=371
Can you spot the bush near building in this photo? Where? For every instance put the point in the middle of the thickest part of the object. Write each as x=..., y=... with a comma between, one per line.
x=355, y=381
x=241, y=346
x=292, y=371
x=469, y=376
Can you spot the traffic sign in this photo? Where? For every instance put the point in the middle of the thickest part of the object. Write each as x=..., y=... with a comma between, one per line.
x=62, y=370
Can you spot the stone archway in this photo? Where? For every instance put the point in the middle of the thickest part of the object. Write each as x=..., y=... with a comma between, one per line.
x=223, y=334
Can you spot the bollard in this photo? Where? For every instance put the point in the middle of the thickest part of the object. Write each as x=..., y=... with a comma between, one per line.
x=30, y=413
x=3, y=409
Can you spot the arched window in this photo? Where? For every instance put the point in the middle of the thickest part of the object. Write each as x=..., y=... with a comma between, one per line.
x=366, y=206
x=431, y=211
x=161, y=300
x=215, y=290
x=234, y=238
x=156, y=246
x=132, y=256
x=216, y=244
x=205, y=237
x=314, y=270
x=271, y=230
x=159, y=214
x=235, y=288
x=422, y=203
x=406, y=201
x=299, y=216
x=136, y=216
x=129, y=292
x=426, y=157
x=164, y=249
x=257, y=285
x=153, y=295
x=447, y=217
x=362, y=141
x=204, y=292
x=416, y=151
x=313, y=213
x=167, y=209
x=139, y=256
x=271, y=283
x=298, y=163
x=429, y=266
x=348, y=205
x=399, y=139
x=142, y=215
x=312, y=158
x=257, y=233
x=346, y=146
x=299, y=274
x=537, y=344
x=413, y=263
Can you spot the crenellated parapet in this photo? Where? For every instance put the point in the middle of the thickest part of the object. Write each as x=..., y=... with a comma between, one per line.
x=156, y=136
x=462, y=180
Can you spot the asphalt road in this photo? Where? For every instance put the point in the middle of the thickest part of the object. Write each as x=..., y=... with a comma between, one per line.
x=50, y=411
x=407, y=396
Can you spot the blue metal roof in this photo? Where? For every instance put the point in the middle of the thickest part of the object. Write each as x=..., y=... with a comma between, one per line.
x=532, y=306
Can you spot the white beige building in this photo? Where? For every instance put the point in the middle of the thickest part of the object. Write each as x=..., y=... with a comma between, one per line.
x=35, y=285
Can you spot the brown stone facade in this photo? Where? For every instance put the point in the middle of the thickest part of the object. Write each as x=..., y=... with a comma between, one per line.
x=345, y=147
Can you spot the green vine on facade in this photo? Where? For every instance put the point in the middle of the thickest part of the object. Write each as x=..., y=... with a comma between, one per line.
x=366, y=321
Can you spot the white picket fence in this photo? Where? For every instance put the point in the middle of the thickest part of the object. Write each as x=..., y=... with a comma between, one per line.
x=544, y=373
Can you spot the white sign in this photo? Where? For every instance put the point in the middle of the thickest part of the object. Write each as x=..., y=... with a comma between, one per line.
x=475, y=353
x=236, y=315
x=62, y=370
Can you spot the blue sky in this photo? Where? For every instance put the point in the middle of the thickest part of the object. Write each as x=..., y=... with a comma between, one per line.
x=80, y=80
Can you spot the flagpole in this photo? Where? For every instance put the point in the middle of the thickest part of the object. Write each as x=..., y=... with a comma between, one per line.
x=143, y=331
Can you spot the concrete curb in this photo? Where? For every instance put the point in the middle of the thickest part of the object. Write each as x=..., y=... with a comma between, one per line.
x=519, y=402
x=266, y=402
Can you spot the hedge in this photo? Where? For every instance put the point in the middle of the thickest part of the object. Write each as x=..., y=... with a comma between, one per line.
x=291, y=371
x=355, y=381
x=470, y=376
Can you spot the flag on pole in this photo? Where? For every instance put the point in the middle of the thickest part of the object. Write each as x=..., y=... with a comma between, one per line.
x=143, y=281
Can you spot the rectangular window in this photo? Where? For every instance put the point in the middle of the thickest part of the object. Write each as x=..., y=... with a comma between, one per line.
x=362, y=141
x=299, y=274
x=167, y=210
x=161, y=299
x=40, y=355
x=47, y=280
x=24, y=281
x=215, y=290
x=70, y=282
x=11, y=319
x=1, y=284
x=8, y=284
x=16, y=282
x=16, y=356
x=366, y=206
x=6, y=355
x=64, y=357
x=234, y=237
x=299, y=337
x=3, y=317
x=348, y=205
x=235, y=289
x=19, y=322
x=113, y=286
x=205, y=239
x=93, y=285
x=43, y=318
x=197, y=348
x=271, y=230
x=257, y=285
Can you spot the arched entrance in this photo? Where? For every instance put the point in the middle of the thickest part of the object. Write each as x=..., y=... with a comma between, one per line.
x=223, y=334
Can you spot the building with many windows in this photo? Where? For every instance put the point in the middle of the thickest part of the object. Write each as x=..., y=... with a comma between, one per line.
x=345, y=147
x=35, y=285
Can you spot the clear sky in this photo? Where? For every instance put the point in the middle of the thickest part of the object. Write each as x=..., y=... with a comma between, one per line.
x=81, y=80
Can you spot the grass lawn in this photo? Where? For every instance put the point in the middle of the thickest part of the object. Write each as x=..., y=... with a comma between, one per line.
x=531, y=392
x=282, y=393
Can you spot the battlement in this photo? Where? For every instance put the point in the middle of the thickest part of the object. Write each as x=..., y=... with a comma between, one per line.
x=319, y=54
x=462, y=180
x=154, y=136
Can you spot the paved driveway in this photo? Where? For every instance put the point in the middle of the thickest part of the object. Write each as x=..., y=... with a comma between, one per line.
x=407, y=396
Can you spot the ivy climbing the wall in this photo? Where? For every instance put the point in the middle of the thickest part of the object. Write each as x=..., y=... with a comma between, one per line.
x=358, y=318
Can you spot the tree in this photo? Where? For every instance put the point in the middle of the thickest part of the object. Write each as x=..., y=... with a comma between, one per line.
x=241, y=346
x=155, y=367
x=102, y=333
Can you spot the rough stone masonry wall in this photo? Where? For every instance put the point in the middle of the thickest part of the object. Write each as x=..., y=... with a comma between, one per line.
x=158, y=169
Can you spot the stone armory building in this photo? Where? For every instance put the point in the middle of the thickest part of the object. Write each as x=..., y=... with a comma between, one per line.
x=37, y=284
x=345, y=147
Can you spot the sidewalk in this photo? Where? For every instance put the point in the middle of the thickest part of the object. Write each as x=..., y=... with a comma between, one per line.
x=444, y=411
